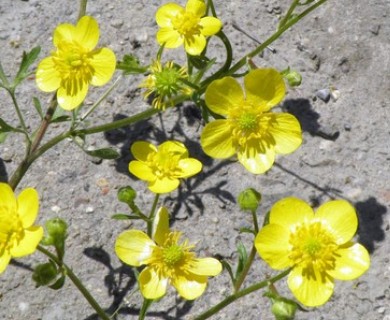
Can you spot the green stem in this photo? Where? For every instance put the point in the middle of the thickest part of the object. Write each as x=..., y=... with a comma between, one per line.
x=82, y=9
x=289, y=13
x=145, y=306
x=19, y=113
x=152, y=214
x=275, y=36
x=76, y=281
x=207, y=314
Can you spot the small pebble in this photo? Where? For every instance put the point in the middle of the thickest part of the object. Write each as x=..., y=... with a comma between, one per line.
x=7, y=155
x=335, y=94
x=323, y=94
x=89, y=209
x=55, y=209
x=117, y=23
x=374, y=29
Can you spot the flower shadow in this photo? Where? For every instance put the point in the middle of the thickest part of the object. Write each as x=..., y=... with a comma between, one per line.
x=3, y=172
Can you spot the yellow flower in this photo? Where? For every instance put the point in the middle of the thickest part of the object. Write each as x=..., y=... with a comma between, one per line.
x=75, y=63
x=164, y=83
x=250, y=129
x=162, y=167
x=18, y=236
x=167, y=261
x=317, y=246
x=180, y=25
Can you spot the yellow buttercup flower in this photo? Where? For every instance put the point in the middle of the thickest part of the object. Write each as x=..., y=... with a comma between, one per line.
x=18, y=236
x=250, y=129
x=186, y=26
x=75, y=63
x=164, y=83
x=317, y=246
x=162, y=166
x=167, y=261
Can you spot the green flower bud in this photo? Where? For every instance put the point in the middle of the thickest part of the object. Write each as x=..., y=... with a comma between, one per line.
x=56, y=228
x=284, y=309
x=127, y=195
x=249, y=199
x=44, y=274
x=293, y=78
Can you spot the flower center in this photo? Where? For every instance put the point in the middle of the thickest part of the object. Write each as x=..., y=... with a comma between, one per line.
x=247, y=122
x=164, y=164
x=11, y=230
x=167, y=81
x=187, y=24
x=73, y=63
x=313, y=247
x=172, y=254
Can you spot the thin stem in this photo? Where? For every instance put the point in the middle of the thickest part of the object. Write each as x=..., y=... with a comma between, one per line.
x=97, y=103
x=289, y=12
x=207, y=314
x=144, y=309
x=275, y=36
x=76, y=281
x=82, y=9
x=152, y=214
x=19, y=113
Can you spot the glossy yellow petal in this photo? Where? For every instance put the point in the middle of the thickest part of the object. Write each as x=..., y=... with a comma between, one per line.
x=166, y=13
x=205, y=267
x=189, y=286
x=289, y=211
x=87, y=32
x=272, y=244
x=210, y=26
x=264, y=87
x=312, y=289
x=7, y=199
x=256, y=162
x=216, y=140
x=224, y=94
x=196, y=7
x=134, y=247
x=173, y=147
x=141, y=150
x=286, y=131
x=104, y=63
x=189, y=167
x=47, y=77
x=5, y=258
x=28, y=244
x=163, y=185
x=64, y=33
x=152, y=284
x=28, y=206
x=352, y=260
x=161, y=226
x=340, y=217
x=70, y=102
x=194, y=45
x=169, y=38
x=142, y=171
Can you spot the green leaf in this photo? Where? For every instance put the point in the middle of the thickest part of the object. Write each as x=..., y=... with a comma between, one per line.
x=27, y=60
x=228, y=267
x=5, y=127
x=123, y=216
x=242, y=258
x=60, y=119
x=104, y=153
x=247, y=230
x=3, y=136
x=38, y=107
x=4, y=81
x=130, y=65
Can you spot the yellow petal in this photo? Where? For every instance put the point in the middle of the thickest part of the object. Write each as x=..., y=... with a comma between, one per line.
x=210, y=26
x=134, y=247
x=64, y=33
x=216, y=140
x=5, y=258
x=189, y=167
x=254, y=161
x=70, y=102
x=166, y=13
x=195, y=44
x=196, y=7
x=104, y=63
x=29, y=243
x=264, y=87
x=173, y=147
x=205, y=267
x=161, y=226
x=311, y=289
x=163, y=185
x=289, y=211
x=272, y=244
x=286, y=131
x=169, y=38
x=87, y=32
x=7, y=199
x=352, y=260
x=190, y=286
x=142, y=171
x=141, y=150
x=28, y=206
x=152, y=284
x=47, y=77
x=341, y=218
x=224, y=94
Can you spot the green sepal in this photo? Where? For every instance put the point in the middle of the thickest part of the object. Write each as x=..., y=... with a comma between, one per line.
x=59, y=283
x=229, y=269
x=242, y=259
x=38, y=107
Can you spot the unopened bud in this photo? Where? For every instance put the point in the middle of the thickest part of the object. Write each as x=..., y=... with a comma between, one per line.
x=293, y=78
x=127, y=195
x=284, y=309
x=249, y=199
